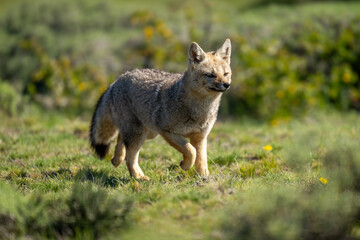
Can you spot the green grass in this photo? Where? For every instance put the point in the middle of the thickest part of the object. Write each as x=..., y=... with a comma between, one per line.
x=46, y=155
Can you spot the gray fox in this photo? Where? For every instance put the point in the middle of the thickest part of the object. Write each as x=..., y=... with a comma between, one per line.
x=144, y=103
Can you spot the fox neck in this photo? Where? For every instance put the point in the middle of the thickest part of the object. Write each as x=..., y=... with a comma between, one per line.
x=198, y=93
x=201, y=103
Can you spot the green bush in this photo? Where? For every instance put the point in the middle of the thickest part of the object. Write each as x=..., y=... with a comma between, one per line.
x=57, y=51
x=65, y=53
x=313, y=65
x=287, y=214
x=87, y=213
x=10, y=99
x=261, y=3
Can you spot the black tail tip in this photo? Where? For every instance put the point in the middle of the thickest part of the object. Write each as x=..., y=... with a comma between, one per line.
x=101, y=149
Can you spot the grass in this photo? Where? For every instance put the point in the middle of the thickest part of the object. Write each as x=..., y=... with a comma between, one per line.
x=47, y=154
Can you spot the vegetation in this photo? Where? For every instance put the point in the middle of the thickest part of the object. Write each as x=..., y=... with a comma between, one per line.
x=284, y=164
x=64, y=54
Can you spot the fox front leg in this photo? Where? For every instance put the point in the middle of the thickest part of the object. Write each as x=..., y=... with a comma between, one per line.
x=183, y=146
x=199, y=141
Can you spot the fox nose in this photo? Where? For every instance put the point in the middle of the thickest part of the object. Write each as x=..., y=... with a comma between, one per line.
x=226, y=85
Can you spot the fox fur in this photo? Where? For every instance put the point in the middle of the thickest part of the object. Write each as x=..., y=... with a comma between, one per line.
x=144, y=103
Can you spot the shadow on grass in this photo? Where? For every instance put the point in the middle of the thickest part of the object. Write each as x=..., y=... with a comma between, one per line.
x=62, y=172
x=227, y=160
x=99, y=177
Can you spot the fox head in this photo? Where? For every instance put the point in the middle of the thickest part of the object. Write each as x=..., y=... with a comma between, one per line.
x=210, y=73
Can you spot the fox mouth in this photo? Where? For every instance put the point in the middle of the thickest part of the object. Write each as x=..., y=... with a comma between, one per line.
x=216, y=90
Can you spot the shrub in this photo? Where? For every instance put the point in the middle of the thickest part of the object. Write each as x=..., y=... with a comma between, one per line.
x=10, y=99
x=287, y=214
x=313, y=65
x=63, y=54
x=57, y=51
x=87, y=213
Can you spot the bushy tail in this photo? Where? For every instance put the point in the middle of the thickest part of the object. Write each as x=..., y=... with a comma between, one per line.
x=102, y=130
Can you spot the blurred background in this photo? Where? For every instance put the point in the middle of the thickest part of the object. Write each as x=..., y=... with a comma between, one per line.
x=289, y=56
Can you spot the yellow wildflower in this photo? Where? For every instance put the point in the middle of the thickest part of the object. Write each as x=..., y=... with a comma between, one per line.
x=280, y=94
x=267, y=148
x=148, y=32
x=323, y=180
x=292, y=89
x=82, y=86
x=274, y=122
x=346, y=77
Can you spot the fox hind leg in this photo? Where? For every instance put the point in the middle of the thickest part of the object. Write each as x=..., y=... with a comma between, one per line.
x=120, y=152
x=133, y=143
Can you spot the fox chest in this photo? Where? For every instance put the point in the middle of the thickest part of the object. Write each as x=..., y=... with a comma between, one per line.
x=186, y=119
x=189, y=123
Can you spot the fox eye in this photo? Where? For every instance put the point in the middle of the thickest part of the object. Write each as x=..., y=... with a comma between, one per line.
x=210, y=75
x=226, y=74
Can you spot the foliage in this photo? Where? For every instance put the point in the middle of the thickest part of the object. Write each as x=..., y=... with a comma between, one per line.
x=260, y=3
x=287, y=214
x=87, y=212
x=63, y=53
x=308, y=67
x=57, y=50
x=10, y=100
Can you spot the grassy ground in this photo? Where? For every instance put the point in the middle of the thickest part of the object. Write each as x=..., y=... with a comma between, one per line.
x=46, y=154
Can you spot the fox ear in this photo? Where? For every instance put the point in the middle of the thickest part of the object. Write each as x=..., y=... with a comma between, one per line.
x=224, y=51
x=196, y=54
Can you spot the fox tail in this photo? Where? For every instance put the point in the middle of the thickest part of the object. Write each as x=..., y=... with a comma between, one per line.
x=102, y=130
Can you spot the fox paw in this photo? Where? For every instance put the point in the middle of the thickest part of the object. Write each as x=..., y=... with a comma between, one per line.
x=115, y=162
x=185, y=165
x=203, y=172
x=143, y=178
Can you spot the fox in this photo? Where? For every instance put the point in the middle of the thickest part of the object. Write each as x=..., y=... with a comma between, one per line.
x=144, y=103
